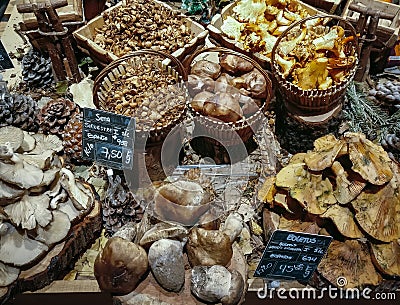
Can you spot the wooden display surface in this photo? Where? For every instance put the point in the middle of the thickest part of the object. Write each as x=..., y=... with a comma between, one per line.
x=60, y=258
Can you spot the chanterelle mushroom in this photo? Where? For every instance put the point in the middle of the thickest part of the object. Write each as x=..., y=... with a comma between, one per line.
x=18, y=249
x=371, y=161
x=351, y=260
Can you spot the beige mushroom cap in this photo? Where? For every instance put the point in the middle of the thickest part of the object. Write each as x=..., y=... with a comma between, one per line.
x=386, y=257
x=351, y=260
x=8, y=274
x=344, y=221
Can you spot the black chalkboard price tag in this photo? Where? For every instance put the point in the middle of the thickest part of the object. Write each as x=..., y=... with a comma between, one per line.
x=108, y=138
x=5, y=61
x=292, y=255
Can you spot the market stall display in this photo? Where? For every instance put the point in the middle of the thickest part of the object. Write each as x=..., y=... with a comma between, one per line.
x=229, y=144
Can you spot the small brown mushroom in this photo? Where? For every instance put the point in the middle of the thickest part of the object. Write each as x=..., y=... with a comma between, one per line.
x=351, y=261
x=199, y=100
x=234, y=64
x=206, y=68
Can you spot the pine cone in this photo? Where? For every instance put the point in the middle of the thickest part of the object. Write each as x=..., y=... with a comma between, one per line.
x=36, y=69
x=72, y=138
x=6, y=117
x=24, y=111
x=119, y=206
x=55, y=114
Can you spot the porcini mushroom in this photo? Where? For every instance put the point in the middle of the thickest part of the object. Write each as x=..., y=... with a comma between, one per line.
x=344, y=221
x=371, y=161
x=18, y=249
x=163, y=230
x=325, y=152
x=386, y=257
x=351, y=261
x=346, y=190
x=234, y=64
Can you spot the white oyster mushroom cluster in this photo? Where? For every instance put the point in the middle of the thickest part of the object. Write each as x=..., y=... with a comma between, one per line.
x=39, y=200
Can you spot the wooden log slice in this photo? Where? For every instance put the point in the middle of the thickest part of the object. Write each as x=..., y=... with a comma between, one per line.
x=60, y=259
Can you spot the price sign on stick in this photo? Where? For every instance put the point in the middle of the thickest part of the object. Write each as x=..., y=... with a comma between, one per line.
x=292, y=255
x=108, y=138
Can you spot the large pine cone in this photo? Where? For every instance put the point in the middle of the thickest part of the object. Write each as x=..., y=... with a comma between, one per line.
x=55, y=115
x=18, y=110
x=6, y=117
x=36, y=69
x=119, y=206
x=391, y=143
x=72, y=138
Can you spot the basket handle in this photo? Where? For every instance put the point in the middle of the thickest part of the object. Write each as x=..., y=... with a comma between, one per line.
x=293, y=25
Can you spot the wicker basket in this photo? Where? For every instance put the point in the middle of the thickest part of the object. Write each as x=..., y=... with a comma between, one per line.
x=168, y=63
x=314, y=101
x=230, y=134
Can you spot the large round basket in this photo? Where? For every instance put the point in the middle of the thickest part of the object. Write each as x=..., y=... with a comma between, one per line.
x=152, y=136
x=229, y=133
x=168, y=64
x=313, y=102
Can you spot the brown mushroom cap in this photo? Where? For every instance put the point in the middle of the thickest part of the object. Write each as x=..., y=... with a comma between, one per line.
x=378, y=211
x=325, y=152
x=206, y=68
x=163, y=230
x=351, y=260
x=234, y=64
x=371, y=161
x=120, y=266
x=343, y=219
x=267, y=191
x=386, y=257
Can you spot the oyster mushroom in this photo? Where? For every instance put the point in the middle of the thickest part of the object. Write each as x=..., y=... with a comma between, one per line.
x=28, y=143
x=20, y=173
x=81, y=196
x=40, y=160
x=56, y=230
x=346, y=190
x=344, y=221
x=378, y=211
x=386, y=257
x=30, y=211
x=324, y=154
x=371, y=161
x=12, y=135
x=8, y=275
x=18, y=249
x=46, y=142
x=351, y=260
x=9, y=193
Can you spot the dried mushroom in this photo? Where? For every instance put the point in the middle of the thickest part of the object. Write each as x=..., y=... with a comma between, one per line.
x=350, y=260
x=30, y=211
x=141, y=24
x=8, y=275
x=378, y=209
x=324, y=154
x=18, y=249
x=386, y=257
x=371, y=161
x=344, y=221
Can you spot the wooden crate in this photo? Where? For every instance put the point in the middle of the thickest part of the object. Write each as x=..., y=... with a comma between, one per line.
x=85, y=35
x=388, y=30
x=218, y=38
x=72, y=12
